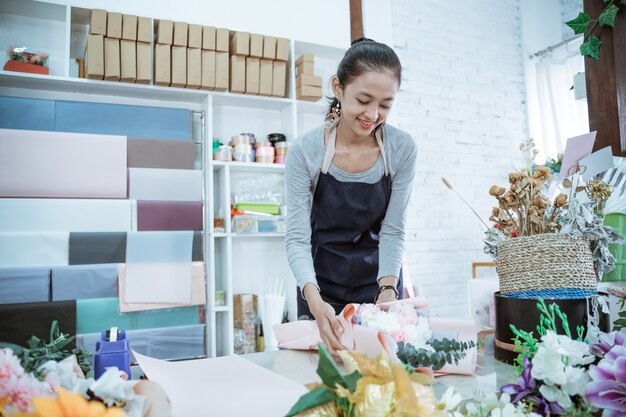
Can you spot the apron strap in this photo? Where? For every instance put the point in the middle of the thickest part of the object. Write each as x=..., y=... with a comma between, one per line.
x=329, y=153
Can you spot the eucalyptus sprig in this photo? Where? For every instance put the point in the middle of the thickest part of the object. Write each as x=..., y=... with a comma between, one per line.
x=447, y=351
x=39, y=351
x=591, y=44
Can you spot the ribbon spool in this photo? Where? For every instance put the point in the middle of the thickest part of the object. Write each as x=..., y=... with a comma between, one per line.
x=223, y=153
x=280, y=159
x=265, y=154
x=243, y=152
x=281, y=148
x=276, y=137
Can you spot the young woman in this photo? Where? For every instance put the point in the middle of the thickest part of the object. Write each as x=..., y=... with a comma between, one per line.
x=348, y=186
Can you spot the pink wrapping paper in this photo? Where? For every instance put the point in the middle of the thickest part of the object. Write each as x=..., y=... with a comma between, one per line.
x=198, y=291
x=304, y=335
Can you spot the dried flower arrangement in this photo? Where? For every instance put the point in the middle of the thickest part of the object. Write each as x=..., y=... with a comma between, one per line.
x=526, y=210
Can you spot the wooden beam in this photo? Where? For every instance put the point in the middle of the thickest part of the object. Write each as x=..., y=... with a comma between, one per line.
x=606, y=82
x=356, y=20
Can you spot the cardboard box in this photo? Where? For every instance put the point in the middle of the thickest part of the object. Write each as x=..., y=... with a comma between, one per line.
x=165, y=32
x=265, y=77
x=181, y=32
x=98, y=22
x=222, y=71
x=222, y=40
x=194, y=39
x=305, y=68
x=194, y=68
x=240, y=44
x=282, y=49
x=256, y=45
x=162, y=64
x=129, y=27
x=305, y=58
x=269, y=47
x=279, y=79
x=114, y=25
x=207, y=81
x=94, y=57
x=179, y=66
x=128, y=61
x=144, y=63
x=237, y=74
x=111, y=59
x=311, y=80
x=308, y=93
x=208, y=38
x=253, y=68
x=144, y=29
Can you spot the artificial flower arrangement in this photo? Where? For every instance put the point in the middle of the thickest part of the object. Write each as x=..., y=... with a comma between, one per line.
x=557, y=374
x=47, y=379
x=19, y=54
x=534, y=205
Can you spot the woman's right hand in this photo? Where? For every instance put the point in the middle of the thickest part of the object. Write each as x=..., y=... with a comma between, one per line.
x=329, y=326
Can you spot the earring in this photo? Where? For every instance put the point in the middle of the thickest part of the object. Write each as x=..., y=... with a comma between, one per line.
x=333, y=117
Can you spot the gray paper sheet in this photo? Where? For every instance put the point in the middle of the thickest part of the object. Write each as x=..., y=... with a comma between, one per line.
x=84, y=281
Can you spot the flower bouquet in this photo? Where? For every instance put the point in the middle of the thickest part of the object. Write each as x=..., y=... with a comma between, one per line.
x=22, y=61
x=401, y=329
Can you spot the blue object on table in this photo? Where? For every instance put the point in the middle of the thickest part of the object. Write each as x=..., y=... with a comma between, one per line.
x=112, y=350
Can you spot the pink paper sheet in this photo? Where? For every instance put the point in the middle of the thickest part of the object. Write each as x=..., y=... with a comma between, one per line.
x=62, y=165
x=198, y=291
x=304, y=335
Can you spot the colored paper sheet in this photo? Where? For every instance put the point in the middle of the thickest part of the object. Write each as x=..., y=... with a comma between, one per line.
x=97, y=248
x=33, y=249
x=160, y=153
x=198, y=250
x=169, y=215
x=59, y=215
x=97, y=314
x=17, y=113
x=576, y=148
x=198, y=291
x=24, y=285
x=62, y=165
x=84, y=281
x=158, y=267
x=220, y=384
x=182, y=342
x=165, y=184
x=597, y=163
x=18, y=322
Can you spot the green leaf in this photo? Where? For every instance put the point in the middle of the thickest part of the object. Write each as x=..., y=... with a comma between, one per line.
x=591, y=47
x=318, y=396
x=607, y=18
x=327, y=370
x=351, y=380
x=579, y=25
x=624, y=2
x=346, y=407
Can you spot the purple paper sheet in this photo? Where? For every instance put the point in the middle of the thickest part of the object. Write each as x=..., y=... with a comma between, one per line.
x=169, y=215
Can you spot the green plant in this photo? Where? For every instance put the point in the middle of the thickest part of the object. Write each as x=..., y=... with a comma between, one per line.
x=39, y=352
x=591, y=44
x=446, y=352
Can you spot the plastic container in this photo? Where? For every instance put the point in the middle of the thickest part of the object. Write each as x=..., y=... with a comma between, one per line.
x=112, y=350
x=272, y=224
x=245, y=223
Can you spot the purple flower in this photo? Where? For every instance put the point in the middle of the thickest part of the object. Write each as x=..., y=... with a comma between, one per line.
x=607, y=341
x=524, y=388
x=607, y=389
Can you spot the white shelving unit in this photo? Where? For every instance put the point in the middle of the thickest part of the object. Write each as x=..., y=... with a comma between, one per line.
x=235, y=263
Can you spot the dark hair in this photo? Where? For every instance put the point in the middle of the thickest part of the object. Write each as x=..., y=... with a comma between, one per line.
x=365, y=55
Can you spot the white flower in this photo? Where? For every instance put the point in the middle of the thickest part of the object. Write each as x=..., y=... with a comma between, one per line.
x=557, y=360
x=450, y=401
x=552, y=393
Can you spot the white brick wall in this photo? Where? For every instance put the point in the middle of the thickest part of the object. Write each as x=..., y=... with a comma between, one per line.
x=463, y=100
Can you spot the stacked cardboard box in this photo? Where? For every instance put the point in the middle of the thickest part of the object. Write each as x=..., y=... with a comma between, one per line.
x=308, y=85
x=258, y=64
x=118, y=47
x=245, y=309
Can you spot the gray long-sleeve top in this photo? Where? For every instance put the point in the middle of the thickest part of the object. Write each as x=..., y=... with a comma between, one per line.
x=304, y=163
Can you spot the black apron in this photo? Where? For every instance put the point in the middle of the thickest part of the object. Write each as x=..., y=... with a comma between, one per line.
x=346, y=219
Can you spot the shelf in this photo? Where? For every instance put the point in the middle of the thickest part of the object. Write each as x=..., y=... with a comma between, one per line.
x=104, y=88
x=248, y=235
x=255, y=167
x=250, y=101
x=221, y=309
x=34, y=9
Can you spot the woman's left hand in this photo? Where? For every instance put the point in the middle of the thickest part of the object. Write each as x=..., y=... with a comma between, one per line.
x=386, y=296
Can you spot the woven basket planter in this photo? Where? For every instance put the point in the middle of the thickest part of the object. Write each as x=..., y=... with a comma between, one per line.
x=545, y=262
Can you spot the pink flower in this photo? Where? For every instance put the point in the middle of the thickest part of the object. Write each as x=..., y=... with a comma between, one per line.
x=399, y=335
x=9, y=367
x=23, y=390
x=607, y=390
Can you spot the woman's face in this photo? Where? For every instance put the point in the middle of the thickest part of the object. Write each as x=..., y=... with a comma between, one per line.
x=366, y=100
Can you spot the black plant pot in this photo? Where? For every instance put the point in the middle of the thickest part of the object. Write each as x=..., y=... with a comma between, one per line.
x=524, y=315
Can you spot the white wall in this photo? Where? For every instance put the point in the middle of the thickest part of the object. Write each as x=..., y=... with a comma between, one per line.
x=463, y=100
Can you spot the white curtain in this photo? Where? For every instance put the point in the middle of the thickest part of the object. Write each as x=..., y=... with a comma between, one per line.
x=554, y=114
